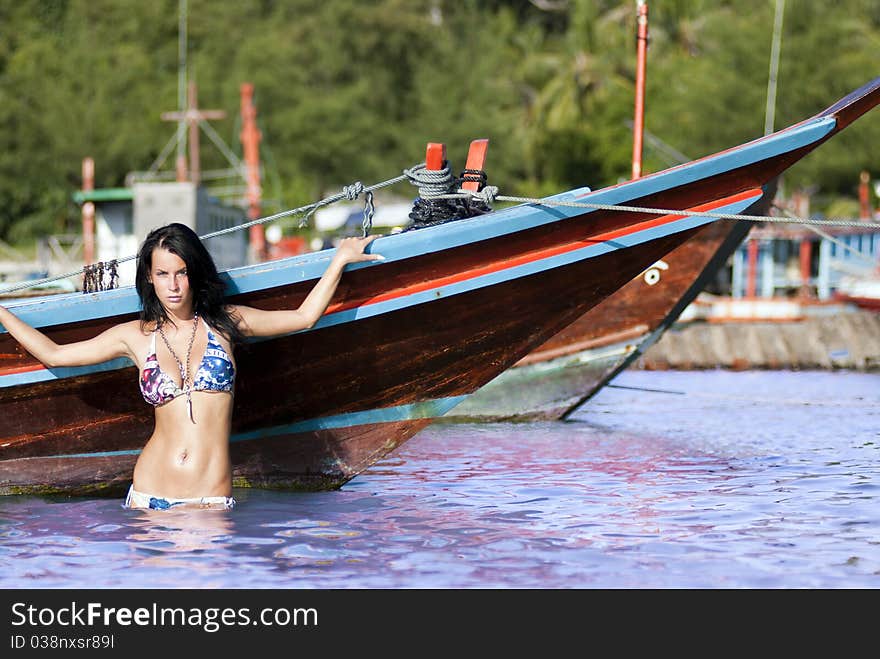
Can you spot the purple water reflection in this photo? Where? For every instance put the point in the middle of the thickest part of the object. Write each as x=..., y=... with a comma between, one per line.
x=733, y=480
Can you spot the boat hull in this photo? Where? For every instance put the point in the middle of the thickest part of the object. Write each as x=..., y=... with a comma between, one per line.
x=543, y=390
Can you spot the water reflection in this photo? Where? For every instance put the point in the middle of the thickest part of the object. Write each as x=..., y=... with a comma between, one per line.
x=634, y=494
x=165, y=534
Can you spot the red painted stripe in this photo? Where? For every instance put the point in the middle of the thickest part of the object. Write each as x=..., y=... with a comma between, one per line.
x=12, y=370
x=753, y=193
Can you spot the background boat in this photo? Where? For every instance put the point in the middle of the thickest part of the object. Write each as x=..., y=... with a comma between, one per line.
x=864, y=292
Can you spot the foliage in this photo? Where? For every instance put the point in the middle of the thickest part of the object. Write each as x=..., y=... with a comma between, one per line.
x=354, y=89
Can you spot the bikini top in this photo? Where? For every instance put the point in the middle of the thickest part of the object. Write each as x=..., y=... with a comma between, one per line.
x=215, y=373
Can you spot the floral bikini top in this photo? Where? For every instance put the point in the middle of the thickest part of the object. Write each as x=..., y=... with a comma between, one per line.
x=215, y=373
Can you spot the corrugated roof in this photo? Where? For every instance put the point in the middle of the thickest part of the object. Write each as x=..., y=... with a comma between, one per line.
x=103, y=194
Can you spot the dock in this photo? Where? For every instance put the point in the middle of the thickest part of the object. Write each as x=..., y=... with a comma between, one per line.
x=828, y=338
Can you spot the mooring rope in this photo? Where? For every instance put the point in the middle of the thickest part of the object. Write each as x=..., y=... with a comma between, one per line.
x=827, y=236
x=434, y=185
x=487, y=195
x=350, y=192
x=857, y=402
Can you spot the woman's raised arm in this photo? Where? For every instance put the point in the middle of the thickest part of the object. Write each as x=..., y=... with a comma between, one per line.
x=109, y=344
x=258, y=322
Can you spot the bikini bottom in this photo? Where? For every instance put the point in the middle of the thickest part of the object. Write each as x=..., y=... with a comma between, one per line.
x=136, y=499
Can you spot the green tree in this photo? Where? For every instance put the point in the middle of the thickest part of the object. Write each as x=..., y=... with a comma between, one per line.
x=354, y=89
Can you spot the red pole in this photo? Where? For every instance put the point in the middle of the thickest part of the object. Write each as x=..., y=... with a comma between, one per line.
x=802, y=205
x=180, y=169
x=641, y=57
x=752, y=274
x=250, y=142
x=806, y=254
x=88, y=211
x=195, y=174
x=476, y=159
x=864, y=198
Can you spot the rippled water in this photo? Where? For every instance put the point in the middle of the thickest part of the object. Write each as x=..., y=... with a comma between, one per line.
x=714, y=480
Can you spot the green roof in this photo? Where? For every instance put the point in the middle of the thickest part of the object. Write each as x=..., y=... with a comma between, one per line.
x=103, y=194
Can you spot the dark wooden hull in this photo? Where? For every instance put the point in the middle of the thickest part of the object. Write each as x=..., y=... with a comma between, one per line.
x=403, y=341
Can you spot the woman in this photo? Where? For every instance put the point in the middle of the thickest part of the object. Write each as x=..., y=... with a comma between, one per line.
x=183, y=348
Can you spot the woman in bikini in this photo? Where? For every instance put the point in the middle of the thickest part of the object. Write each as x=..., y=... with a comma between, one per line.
x=183, y=348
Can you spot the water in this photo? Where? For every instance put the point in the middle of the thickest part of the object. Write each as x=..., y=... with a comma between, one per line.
x=746, y=480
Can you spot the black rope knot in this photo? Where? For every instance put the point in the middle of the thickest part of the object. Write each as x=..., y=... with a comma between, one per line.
x=461, y=204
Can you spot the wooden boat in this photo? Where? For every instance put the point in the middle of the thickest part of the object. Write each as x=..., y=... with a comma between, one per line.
x=403, y=341
x=563, y=373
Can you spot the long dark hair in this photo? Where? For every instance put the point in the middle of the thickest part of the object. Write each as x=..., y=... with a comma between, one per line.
x=208, y=289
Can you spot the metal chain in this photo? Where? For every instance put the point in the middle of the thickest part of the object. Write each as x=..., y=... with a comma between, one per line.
x=184, y=373
x=369, y=209
x=114, y=275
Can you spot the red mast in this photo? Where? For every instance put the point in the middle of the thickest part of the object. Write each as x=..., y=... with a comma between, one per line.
x=192, y=115
x=250, y=142
x=639, y=123
x=88, y=211
x=865, y=211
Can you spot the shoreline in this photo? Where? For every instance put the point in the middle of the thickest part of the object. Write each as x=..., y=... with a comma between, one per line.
x=846, y=341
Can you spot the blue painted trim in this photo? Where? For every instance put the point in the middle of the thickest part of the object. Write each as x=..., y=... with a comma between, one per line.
x=46, y=374
x=70, y=308
x=428, y=409
x=73, y=307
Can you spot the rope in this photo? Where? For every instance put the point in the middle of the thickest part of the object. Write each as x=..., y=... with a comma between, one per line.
x=434, y=185
x=310, y=209
x=666, y=211
x=86, y=270
x=751, y=399
x=861, y=255
x=348, y=192
x=368, y=214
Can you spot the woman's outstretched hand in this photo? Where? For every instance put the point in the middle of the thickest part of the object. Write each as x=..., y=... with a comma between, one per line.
x=351, y=250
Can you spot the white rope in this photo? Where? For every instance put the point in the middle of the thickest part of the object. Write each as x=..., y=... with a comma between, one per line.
x=431, y=182
x=667, y=211
x=861, y=255
x=859, y=403
x=348, y=192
